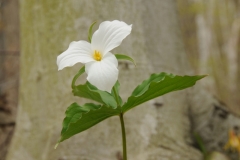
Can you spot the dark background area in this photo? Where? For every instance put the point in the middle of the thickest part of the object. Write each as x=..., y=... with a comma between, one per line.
x=9, y=70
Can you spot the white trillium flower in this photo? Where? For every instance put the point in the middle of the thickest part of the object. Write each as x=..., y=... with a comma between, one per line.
x=100, y=64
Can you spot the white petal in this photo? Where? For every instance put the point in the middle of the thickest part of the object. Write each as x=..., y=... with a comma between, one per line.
x=110, y=35
x=77, y=52
x=103, y=74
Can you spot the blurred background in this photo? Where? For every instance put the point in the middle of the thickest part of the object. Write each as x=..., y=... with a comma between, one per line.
x=9, y=70
x=210, y=31
x=211, y=34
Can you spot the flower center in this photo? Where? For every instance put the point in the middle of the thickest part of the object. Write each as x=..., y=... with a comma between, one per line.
x=97, y=56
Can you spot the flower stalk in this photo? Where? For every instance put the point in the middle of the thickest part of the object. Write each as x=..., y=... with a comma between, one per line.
x=123, y=137
x=124, y=144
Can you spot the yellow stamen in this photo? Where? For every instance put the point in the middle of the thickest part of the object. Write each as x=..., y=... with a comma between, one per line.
x=97, y=55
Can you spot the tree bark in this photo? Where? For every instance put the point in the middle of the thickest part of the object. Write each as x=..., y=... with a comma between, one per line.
x=218, y=32
x=159, y=129
x=9, y=71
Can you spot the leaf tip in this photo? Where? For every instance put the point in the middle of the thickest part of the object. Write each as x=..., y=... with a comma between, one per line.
x=203, y=76
x=55, y=147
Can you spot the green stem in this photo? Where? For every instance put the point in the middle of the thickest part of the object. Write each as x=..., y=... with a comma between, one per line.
x=116, y=96
x=124, y=144
x=123, y=137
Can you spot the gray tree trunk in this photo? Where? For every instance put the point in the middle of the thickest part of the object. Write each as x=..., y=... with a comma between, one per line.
x=159, y=129
x=218, y=28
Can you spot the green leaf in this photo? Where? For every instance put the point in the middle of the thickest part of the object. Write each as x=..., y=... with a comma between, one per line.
x=200, y=143
x=79, y=118
x=124, y=57
x=80, y=72
x=74, y=113
x=89, y=91
x=157, y=85
x=142, y=88
x=90, y=32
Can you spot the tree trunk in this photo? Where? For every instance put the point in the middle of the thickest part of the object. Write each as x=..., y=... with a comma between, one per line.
x=218, y=32
x=159, y=129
